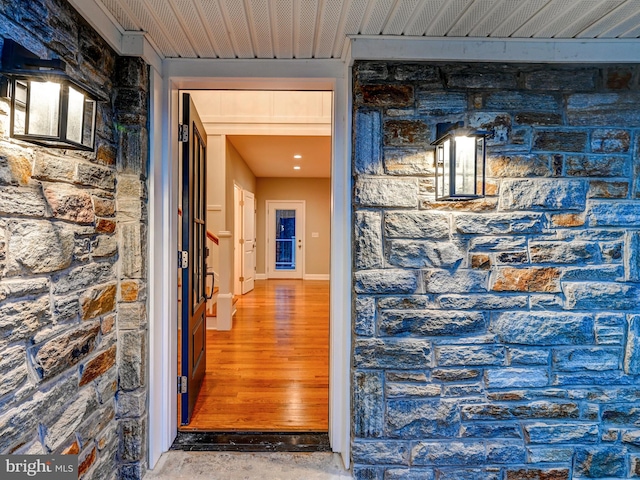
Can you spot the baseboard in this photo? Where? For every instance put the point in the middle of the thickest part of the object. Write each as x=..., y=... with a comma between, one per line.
x=316, y=276
x=261, y=276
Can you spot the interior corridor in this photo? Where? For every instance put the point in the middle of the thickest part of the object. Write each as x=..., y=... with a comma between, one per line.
x=269, y=373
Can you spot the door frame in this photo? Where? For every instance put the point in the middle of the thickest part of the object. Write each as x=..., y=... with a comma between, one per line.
x=301, y=261
x=177, y=74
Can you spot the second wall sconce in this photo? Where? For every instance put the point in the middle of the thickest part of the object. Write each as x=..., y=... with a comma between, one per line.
x=460, y=162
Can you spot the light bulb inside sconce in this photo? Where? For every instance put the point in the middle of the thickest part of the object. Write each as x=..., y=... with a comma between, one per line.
x=297, y=156
x=296, y=167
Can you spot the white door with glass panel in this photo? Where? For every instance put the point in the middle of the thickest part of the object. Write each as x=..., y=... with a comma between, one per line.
x=285, y=239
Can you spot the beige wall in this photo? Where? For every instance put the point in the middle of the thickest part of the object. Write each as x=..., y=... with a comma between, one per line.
x=317, y=194
x=216, y=178
x=237, y=172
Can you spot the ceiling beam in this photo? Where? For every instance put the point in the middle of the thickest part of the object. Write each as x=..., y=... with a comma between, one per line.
x=528, y=50
x=288, y=129
x=256, y=74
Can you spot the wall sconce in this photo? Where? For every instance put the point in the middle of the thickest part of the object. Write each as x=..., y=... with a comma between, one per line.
x=460, y=162
x=48, y=107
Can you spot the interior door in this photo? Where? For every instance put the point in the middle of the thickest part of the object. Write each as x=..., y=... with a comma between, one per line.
x=193, y=259
x=237, y=240
x=249, y=241
x=285, y=239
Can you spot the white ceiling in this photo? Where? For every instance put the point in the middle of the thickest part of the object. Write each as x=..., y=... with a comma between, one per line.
x=272, y=155
x=269, y=127
x=318, y=29
x=307, y=29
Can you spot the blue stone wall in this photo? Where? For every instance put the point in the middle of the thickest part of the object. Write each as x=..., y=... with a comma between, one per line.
x=497, y=338
x=73, y=266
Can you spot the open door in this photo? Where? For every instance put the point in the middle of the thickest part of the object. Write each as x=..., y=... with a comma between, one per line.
x=249, y=241
x=192, y=258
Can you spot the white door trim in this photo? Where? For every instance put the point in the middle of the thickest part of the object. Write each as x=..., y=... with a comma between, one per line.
x=250, y=74
x=300, y=228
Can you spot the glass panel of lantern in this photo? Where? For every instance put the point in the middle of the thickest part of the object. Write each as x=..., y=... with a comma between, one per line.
x=465, y=165
x=75, y=111
x=44, y=109
x=480, y=165
x=80, y=118
x=19, y=109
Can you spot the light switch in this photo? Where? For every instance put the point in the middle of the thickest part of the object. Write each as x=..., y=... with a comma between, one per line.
x=315, y=234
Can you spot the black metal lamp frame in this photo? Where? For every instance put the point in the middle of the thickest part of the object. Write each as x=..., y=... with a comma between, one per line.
x=449, y=131
x=20, y=66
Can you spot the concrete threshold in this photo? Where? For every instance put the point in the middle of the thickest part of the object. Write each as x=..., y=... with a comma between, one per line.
x=195, y=465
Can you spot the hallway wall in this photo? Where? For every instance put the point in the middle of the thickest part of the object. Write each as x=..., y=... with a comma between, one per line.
x=497, y=338
x=317, y=194
x=237, y=171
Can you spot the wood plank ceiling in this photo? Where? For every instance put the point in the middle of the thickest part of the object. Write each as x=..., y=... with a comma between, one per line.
x=306, y=29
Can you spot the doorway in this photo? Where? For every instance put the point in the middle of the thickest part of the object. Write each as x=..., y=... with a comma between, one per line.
x=285, y=239
x=277, y=311
x=333, y=76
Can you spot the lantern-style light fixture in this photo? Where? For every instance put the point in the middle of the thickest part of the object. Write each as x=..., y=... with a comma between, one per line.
x=460, y=162
x=48, y=107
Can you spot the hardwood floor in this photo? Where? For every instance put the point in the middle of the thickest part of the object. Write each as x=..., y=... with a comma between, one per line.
x=270, y=372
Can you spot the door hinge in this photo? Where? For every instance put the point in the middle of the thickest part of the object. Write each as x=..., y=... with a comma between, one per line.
x=241, y=203
x=183, y=259
x=182, y=384
x=241, y=241
x=242, y=279
x=183, y=133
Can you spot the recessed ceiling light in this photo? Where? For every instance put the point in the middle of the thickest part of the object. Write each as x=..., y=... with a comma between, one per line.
x=297, y=167
x=297, y=156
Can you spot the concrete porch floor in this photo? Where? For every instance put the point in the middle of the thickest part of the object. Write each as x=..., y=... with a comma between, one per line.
x=178, y=464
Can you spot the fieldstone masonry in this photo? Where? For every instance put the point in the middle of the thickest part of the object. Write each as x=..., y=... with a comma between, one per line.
x=499, y=338
x=73, y=322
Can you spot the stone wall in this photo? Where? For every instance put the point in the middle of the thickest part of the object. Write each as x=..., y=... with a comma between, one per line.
x=72, y=263
x=497, y=338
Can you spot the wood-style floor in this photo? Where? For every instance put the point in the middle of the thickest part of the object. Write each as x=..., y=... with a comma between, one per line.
x=270, y=372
